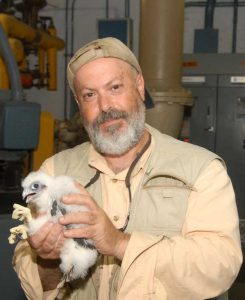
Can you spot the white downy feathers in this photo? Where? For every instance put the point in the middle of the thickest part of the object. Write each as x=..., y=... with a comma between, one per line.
x=46, y=192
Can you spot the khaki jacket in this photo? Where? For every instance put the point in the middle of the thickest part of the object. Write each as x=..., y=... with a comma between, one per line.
x=168, y=256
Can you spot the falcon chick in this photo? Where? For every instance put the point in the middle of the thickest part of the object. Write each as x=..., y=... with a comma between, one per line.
x=45, y=193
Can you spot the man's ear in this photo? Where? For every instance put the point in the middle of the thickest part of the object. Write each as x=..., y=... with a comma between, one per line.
x=140, y=85
x=75, y=97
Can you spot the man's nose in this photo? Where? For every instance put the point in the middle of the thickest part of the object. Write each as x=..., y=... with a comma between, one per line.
x=105, y=102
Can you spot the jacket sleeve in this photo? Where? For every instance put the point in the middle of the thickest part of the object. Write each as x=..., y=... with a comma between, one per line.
x=204, y=260
x=24, y=263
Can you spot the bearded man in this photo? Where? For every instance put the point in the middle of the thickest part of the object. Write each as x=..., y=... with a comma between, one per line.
x=162, y=213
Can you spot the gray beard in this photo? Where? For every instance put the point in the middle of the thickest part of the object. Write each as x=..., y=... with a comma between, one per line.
x=116, y=142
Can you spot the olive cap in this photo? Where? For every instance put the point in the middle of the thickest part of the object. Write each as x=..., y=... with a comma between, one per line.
x=106, y=47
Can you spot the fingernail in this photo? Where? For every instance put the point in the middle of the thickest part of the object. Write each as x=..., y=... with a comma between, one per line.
x=66, y=234
x=61, y=219
x=64, y=198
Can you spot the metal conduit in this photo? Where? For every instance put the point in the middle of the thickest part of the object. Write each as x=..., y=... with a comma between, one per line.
x=234, y=31
x=209, y=13
x=13, y=71
x=127, y=9
x=218, y=4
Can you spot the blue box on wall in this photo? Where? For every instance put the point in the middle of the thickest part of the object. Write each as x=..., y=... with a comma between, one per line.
x=19, y=125
x=118, y=28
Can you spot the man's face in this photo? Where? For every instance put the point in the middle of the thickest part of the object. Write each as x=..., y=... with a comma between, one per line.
x=110, y=93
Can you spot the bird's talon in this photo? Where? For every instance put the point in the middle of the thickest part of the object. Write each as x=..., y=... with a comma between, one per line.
x=21, y=213
x=17, y=233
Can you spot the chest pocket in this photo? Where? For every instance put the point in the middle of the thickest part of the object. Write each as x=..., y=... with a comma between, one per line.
x=160, y=206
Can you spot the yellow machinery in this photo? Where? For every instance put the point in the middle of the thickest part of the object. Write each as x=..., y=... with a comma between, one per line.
x=46, y=140
x=24, y=40
x=24, y=43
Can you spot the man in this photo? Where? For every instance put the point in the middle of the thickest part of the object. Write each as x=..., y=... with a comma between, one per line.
x=162, y=213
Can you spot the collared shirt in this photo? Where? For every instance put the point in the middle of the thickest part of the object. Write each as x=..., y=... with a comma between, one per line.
x=116, y=204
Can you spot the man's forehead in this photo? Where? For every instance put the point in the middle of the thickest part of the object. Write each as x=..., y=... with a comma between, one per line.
x=105, y=81
x=103, y=69
x=106, y=63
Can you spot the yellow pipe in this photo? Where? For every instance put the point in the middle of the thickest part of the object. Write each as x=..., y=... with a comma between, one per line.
x=52, y=63
x=41, y=65
x=17, y=48
x=18, y=51
x=4, y=80
x=23, y=65
x=46, y=140
x=20, y=30
x=52, y=69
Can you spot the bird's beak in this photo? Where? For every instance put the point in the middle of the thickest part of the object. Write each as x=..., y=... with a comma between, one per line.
x=27, y=196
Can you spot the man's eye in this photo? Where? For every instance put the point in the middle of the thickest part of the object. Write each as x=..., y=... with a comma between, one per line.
x=116, y=87
x=88, y=96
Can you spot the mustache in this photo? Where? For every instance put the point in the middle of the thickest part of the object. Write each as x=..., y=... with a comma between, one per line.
x=112, y=114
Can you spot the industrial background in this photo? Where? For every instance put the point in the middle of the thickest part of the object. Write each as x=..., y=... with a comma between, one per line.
x=192, y=55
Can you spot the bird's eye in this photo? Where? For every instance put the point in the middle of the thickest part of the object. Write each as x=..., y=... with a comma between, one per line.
x=35, y=186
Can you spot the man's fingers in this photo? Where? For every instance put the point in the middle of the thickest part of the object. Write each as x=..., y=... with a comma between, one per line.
x=47, y=239
x=37, y=239
x=80, y=199
x=52, y=237
x=86, y=218
x=85, y=232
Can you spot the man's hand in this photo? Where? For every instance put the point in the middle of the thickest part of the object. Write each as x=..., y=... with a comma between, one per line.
x=107, y=239
x=48, y=241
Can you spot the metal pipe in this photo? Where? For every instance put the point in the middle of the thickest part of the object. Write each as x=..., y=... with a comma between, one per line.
x=18, y=49
x=161, y=43
x=218, y=4
x=41, y=66
x=127, y=9
x=52, y=62
x=72, y=26
x=209, y=14
x=20, y=30
x=13, y=71
x=160, y=55
x=234, y=31
x=66, y=60
x=107, y=9
x=4, y=82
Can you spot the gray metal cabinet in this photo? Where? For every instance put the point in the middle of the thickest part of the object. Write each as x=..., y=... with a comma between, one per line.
x=230, y=132
x=203, y=115
x=217, y=122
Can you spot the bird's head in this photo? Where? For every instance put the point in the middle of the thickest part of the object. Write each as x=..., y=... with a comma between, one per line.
x=34, y=184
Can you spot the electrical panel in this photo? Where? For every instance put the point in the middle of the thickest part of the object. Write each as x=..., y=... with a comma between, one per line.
x=117, y=28
x=217, y=118
x=19, y=122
